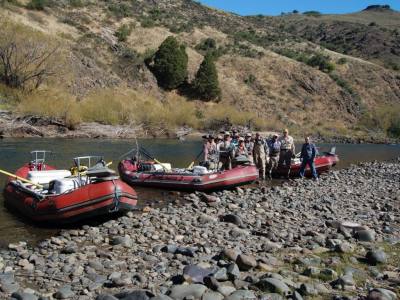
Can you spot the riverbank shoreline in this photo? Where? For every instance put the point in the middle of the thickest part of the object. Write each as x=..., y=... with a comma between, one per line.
x=339, y=237
x=15, y=126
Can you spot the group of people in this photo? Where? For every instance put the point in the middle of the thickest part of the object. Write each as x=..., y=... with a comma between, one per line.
x=268, y=154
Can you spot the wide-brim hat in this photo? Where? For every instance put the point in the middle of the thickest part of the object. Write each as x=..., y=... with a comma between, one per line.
x=227, y=133
x=241, y=139
x=208, y=136
x=248, y=135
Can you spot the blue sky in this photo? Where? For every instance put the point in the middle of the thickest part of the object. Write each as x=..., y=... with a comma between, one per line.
x=269, y=7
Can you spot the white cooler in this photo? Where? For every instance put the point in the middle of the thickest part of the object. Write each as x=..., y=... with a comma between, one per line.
x=43, y=177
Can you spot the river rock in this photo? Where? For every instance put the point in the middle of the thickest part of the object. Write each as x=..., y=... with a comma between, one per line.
x=308, y=289
x=242, y=295
x=311, y=271
x=24, y=296
x=161, y=297
x=344, y=248
x=212, y=283
x=106, y=297
x=375, y=257
x=233, y=271
x=211, y=295
x=230, y=254
x=365, y=235
x=8, y=284
x=234, y=219
x=125, y=241
x=246, y=262
x=180, y=292
x=195, y=274
x=273, y=285
x=134, y=295
x=221, y=274
x=64, y=293
x=271, y=296
x=381, y=294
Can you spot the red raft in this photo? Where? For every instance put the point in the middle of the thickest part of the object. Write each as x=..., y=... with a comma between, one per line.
x=151, y=174
x=323, y=163
x=51, y=195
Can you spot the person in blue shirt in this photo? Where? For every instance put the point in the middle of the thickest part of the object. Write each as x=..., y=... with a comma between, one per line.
x=307, y=156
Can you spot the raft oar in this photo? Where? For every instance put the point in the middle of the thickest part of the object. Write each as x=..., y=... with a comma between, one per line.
x=20, y=178
x=144, y=151
x=197, y=157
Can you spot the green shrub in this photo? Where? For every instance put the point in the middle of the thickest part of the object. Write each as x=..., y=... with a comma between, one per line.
x=123, y=32
x=205, y=84
x=343, y=84
x=322, y=62
x=342, y=61
x=121, y=10
x=37, y=4
x=170, y=64
x=207, y=45
x=76, y=3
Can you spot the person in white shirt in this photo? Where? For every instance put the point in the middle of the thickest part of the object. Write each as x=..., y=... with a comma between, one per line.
x=287, y=152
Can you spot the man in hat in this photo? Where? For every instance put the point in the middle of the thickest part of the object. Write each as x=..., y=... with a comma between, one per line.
x=248, y=143
x=259, y=155
x=274, y=147
x=241, y=149
x=287, y=152
x=209, y=151
x=307, y=156
x=226, y=150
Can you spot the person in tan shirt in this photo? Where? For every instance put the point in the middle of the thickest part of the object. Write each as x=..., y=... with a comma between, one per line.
x=287, y=152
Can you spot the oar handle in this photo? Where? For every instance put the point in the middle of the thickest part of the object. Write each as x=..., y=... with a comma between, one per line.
x=20, y=178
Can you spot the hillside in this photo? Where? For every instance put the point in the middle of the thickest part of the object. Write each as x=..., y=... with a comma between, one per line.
x=273, y=71
x=372, y=34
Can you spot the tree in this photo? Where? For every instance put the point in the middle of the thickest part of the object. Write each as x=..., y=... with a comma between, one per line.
x=205, y=84
x=27, y=57
x=170, y=64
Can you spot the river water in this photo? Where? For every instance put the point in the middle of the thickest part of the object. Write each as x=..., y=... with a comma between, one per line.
x=15, y=152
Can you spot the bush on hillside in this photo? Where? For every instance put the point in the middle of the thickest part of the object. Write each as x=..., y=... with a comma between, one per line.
x=120, y=10
x=37, y=4
x=76, y=3
x=123, y=32
x=170, y=64
x=322, y=62
x=205, y=84
x=207, y=45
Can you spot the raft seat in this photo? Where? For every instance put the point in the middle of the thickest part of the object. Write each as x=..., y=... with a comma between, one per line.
x=44, y=177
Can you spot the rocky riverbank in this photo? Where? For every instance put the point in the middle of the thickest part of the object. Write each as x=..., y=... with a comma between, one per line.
x=338, y=238
x=12, y=125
